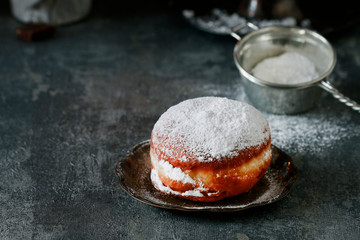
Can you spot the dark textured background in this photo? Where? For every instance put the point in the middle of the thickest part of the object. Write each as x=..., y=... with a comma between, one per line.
x=73, y=105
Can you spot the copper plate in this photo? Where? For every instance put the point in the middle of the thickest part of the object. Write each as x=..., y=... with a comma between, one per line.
x=134, y=174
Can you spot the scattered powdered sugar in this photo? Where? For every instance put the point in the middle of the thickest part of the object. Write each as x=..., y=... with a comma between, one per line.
x=311, y=133
x=287, y=68
x=210, y=126
x=175, y=173
x=221, y=22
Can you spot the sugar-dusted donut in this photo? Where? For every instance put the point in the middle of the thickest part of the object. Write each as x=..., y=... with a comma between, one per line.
x=209, y=148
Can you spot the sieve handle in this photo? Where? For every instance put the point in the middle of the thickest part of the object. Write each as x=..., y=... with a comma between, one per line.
x=339, y=96
x=241, y=26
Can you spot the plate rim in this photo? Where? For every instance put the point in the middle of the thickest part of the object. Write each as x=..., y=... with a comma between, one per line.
x=119, y=173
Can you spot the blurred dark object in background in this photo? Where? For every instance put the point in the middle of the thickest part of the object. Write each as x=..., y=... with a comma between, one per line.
x=35, y=32
x=328, y=18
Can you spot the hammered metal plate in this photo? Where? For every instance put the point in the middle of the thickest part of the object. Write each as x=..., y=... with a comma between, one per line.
x=134, y=175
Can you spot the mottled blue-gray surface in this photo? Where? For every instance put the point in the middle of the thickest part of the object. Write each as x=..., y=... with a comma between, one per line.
x=72, y=106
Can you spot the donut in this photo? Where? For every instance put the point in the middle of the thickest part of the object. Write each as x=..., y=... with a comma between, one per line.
x=209, y=148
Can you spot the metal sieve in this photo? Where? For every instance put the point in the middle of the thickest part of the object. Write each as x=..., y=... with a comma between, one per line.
x=272, y=41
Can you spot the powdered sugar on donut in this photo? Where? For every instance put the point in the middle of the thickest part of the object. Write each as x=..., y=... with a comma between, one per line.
x=210, y=128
